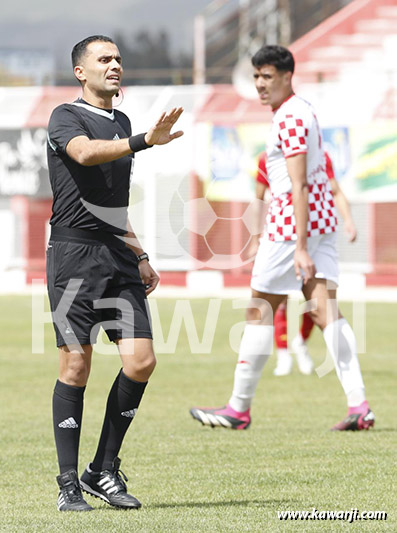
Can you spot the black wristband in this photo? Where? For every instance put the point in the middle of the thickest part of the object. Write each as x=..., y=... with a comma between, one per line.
x=138, y=143
x=142, y=257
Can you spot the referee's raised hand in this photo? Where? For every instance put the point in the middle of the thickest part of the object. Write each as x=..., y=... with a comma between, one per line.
x=160, y=133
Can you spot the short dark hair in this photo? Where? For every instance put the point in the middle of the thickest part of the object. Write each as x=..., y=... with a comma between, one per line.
x=80, y=48
x=275, y=55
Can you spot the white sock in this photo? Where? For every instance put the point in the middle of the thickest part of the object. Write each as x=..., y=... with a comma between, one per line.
x=341, y=343
x=255, y=349
x=283, y=355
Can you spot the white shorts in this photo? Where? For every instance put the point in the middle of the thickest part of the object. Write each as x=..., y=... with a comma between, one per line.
x=274, y=273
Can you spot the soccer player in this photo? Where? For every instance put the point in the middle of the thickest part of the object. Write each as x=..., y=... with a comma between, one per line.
x=299, y=252
x=284, y=359
x=299, y=343
x=96, y=269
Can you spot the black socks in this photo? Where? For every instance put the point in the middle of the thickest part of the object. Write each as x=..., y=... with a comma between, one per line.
x=123, y=401
x=67, y=406
x=67, y=411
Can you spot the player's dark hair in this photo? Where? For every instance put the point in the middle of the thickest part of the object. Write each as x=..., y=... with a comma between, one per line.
x=275, y=55
x=80, y=48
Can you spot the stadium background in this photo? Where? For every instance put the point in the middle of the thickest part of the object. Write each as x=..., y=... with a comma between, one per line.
x=346, y=66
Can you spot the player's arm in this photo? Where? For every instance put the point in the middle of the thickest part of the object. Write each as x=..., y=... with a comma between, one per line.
x=90, y=152
x=343, y=207
x=149, y=276
x=296, y=166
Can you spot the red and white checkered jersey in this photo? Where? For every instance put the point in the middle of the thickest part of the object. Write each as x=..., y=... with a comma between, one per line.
x=295, y=130
x=261, y=174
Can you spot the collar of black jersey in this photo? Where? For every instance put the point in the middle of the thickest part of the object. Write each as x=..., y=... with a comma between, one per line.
x=108, y=113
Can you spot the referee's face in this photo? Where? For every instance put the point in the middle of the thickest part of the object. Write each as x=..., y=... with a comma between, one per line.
x=273, y=86
x=101, y=71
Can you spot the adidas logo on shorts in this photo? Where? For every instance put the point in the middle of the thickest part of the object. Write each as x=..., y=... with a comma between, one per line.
x=129, y=414
x=69, y=423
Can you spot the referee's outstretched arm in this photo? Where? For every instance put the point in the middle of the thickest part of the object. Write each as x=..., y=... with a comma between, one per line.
x=90, y=152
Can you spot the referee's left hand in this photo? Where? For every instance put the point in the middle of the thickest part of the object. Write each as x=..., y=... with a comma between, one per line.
x=160, y=133
x=149, y=277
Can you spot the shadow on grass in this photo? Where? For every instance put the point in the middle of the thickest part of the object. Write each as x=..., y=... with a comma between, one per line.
x=204, y=505
x=231, y=503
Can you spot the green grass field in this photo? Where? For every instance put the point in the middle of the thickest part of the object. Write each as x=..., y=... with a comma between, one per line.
x=196, y=479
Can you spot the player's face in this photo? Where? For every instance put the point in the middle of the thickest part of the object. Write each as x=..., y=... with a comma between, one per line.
x=101, y=68
x=273, y=85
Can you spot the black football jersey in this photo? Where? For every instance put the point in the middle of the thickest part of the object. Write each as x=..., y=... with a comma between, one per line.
x=94, y=197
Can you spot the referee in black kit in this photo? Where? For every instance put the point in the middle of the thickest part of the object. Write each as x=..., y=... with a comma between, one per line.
x=94, y=258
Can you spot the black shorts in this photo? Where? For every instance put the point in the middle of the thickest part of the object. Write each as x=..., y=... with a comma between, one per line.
x=93, y=284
